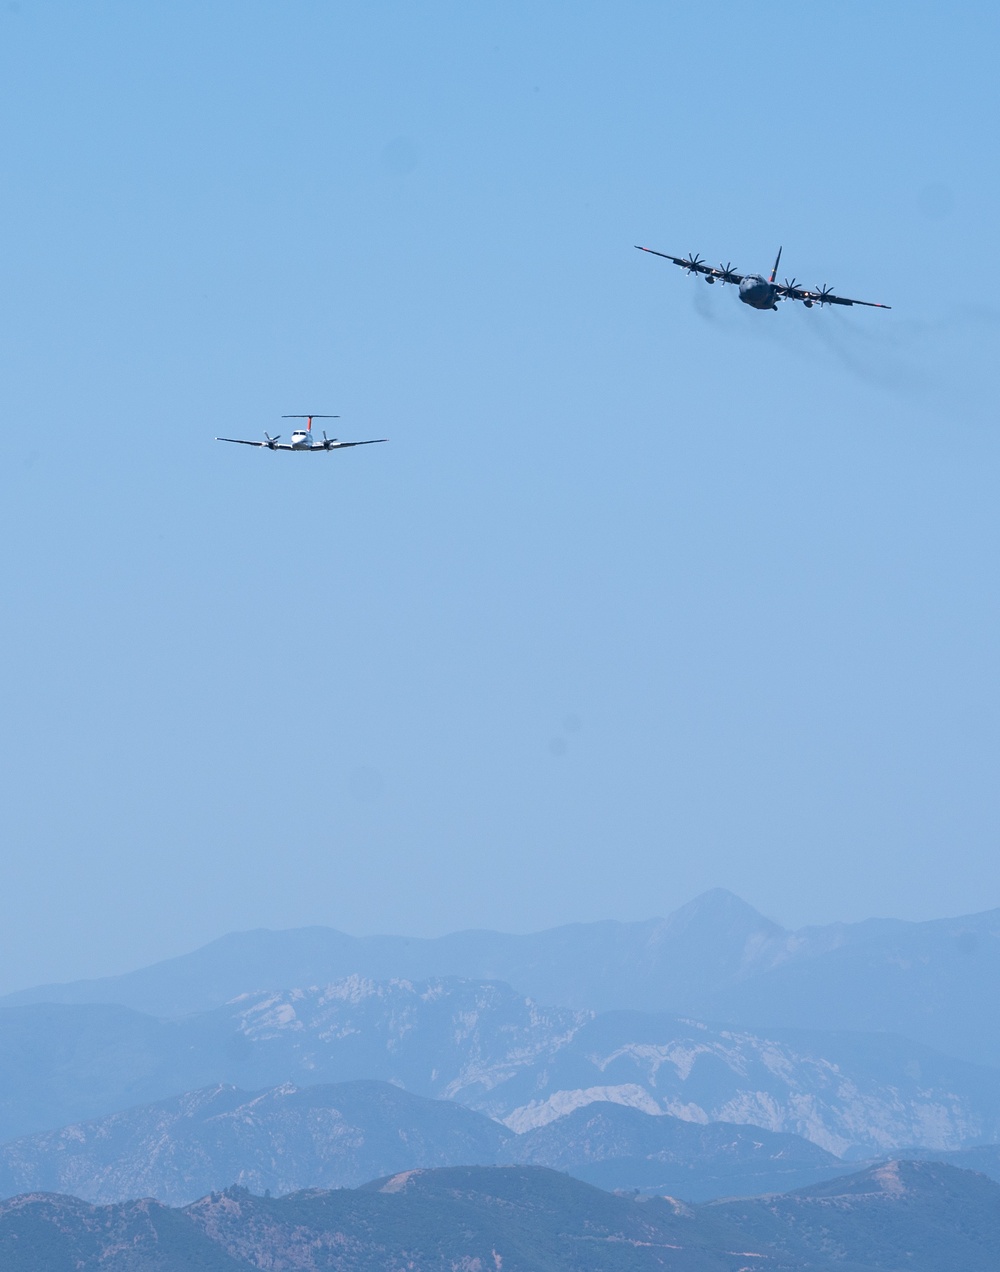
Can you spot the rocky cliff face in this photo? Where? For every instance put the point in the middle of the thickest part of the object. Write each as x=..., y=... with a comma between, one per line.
x=493, y=1050
x=497, y=1052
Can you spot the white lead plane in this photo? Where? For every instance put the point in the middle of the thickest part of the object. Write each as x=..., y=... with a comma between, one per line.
x=302, y=438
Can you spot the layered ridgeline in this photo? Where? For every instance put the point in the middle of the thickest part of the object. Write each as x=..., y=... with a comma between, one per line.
x=924, y=1217
x=495, y=1051
x=716, y=959
x=285, y=1140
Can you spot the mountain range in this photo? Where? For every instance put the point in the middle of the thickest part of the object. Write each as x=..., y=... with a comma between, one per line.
x=710, y=1054
x=716, y=959
x=338, y=1136
x=495, y=1051
x=925, y=1217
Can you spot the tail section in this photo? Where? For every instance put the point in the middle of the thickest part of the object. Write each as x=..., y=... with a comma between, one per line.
x=775, y=270
x=309, y=419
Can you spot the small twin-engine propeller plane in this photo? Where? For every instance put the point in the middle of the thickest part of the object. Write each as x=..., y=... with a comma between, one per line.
x=302, y=438
x=758, y=291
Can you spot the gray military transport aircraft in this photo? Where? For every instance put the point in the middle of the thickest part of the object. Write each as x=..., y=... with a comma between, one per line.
x=302, y=438
x=758, y=291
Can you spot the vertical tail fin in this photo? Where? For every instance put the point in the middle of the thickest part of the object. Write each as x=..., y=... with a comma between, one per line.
x=775, y=270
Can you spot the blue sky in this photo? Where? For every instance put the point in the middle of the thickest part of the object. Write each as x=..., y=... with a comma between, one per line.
x=648, y=593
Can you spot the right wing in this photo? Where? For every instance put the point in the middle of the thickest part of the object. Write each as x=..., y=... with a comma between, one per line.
x=695, y=265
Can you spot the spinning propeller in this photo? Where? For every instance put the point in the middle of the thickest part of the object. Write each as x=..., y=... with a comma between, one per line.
x=693, y=263
x=822, y=293
x=727, y=274
x=271, y=440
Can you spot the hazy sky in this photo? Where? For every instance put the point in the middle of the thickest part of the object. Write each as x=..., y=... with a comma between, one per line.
x=648, y=593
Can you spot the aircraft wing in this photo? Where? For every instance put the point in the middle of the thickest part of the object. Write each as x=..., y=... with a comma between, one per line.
x=824, y=297
x=695, y=265
x=241, y=441
x=337, y=445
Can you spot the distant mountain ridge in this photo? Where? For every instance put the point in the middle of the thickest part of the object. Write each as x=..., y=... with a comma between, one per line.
x=588, y=966
x=716, y=958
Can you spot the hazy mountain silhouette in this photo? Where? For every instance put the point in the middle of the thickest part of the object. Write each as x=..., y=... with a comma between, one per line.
x=716, y=958
x=654, y=965
x=936, y=982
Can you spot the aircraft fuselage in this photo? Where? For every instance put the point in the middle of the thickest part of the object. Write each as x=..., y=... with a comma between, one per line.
x=755, y=290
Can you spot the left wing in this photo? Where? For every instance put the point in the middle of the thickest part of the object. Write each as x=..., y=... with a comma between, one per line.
x=334, y=445
x=695, y=265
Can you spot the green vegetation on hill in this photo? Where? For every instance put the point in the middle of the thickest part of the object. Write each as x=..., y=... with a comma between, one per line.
x=919, y=1215
x=925, y=1217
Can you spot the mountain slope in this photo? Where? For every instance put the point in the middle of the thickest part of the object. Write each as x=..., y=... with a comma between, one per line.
x=621, y=1148
x=45, y=1233
x=899, y=1214
x=487, y=1047
x=509, y=1219
x=337, y=1136
x=281, y=1140
x=924, y=1217
x=982, y=1158
x=853, y=1094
